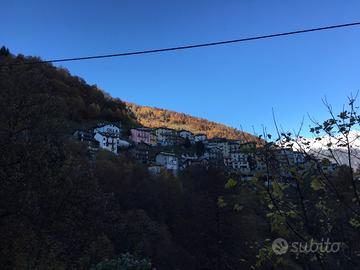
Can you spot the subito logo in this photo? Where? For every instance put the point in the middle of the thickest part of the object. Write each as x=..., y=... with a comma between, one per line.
x=280, y=246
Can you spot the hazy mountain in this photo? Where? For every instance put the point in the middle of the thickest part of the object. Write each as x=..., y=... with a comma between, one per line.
x=333, y=148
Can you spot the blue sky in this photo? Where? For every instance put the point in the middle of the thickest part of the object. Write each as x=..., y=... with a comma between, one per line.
x=236, y=84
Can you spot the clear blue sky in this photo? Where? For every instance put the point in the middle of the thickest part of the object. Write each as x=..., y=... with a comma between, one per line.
x=233, y=84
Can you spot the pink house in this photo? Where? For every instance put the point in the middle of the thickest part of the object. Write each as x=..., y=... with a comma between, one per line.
x=145, y=135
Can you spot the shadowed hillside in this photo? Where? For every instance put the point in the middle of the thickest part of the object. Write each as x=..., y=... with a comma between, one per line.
x=155, y=117
x=79, y=103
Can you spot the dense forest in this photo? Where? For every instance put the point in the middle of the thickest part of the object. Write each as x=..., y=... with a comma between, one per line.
x=80, y=103
x=155, y=117
x=59, y=210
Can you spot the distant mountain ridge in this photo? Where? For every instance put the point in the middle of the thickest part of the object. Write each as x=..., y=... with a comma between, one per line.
x=155, y=117
x=333, y=148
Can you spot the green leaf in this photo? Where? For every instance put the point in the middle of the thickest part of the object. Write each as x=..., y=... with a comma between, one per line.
x=291, y=214
x=316, y=184
x=277, y=191
x=354, y=222
x=231, y=183
x=220, y=202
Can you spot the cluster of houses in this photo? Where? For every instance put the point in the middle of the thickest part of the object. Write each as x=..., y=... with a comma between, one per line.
x=173, y=150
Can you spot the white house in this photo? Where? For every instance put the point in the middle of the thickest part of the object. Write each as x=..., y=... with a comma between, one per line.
x=108, y=128
x=221, y=144
x=168, y=160
x=200, y=137
x=154, y=169
x=108, y=137
x=186, y=135
x=107, y=141
x=213, y=153
x=239, y=162
x=165, y=136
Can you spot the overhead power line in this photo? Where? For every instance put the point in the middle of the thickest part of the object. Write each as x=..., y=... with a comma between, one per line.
x=185, y=47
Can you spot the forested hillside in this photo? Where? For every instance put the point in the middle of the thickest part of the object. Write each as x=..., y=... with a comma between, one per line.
x=155, y=117
x=61, y=210
x=85, y=104
x=58, y=210
x=80, y=102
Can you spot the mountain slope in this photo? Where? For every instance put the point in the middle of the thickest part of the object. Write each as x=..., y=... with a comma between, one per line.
x=333, y=148
x=155, y=117
x=84, y=105
x=81, y=104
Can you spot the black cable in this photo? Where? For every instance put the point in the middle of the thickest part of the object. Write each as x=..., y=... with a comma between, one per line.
x=187, y=46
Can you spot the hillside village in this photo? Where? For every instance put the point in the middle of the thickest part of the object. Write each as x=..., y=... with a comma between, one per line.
x=175, y=150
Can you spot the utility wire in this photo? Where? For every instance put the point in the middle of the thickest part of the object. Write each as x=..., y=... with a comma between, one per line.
x=188, y=46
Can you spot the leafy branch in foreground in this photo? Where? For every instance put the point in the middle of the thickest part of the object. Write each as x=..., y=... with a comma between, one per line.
x=306, y=199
